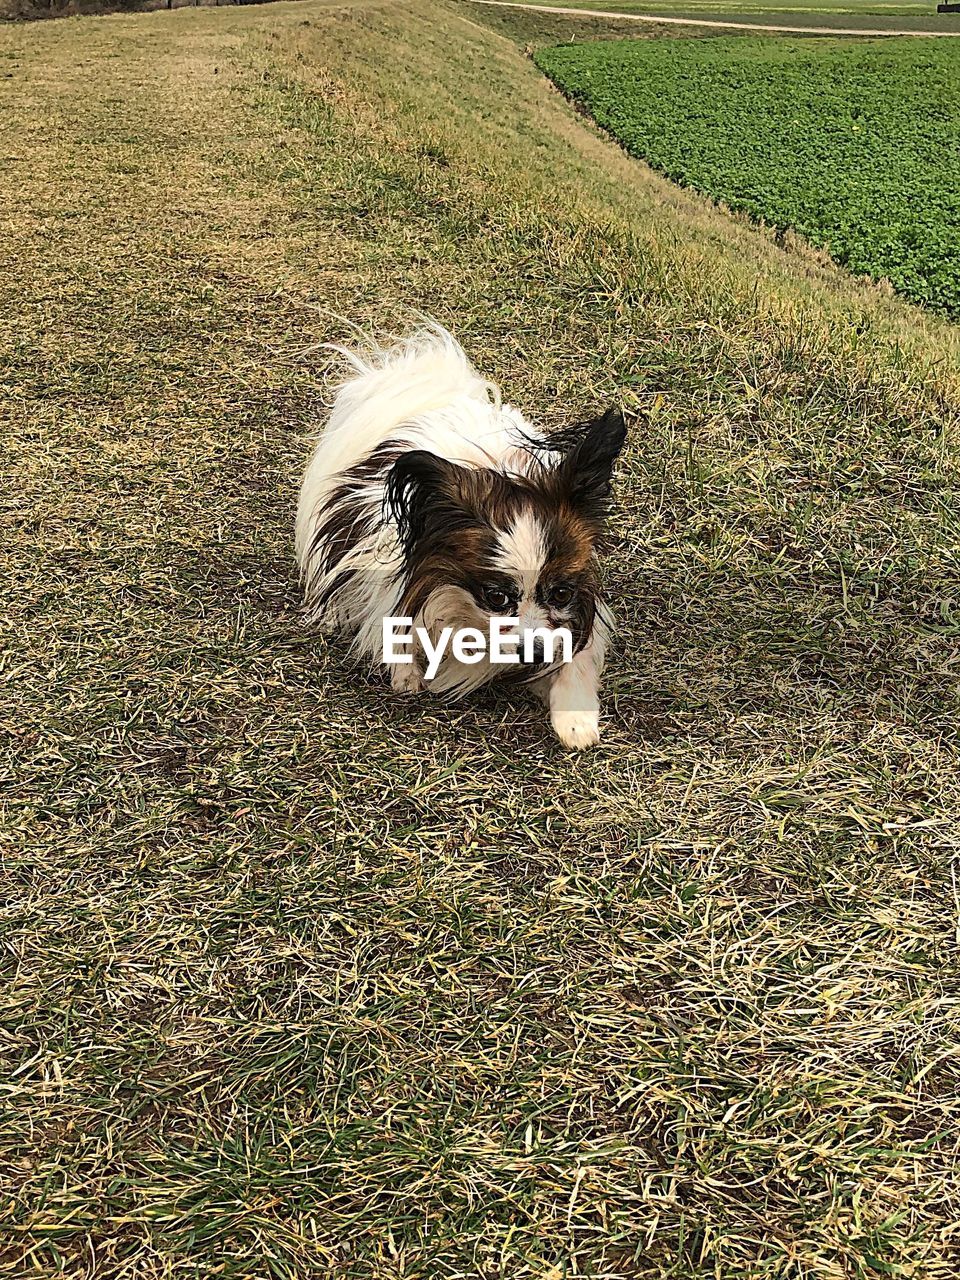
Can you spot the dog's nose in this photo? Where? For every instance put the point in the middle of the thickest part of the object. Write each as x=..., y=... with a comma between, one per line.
x=536, y=649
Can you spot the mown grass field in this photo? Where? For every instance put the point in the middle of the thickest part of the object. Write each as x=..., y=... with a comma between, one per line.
x=854, y=144
x=301, y=980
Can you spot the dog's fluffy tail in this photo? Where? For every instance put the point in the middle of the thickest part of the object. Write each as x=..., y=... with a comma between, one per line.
x=392, y=386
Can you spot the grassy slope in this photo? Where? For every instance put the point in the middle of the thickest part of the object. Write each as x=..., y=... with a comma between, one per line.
x=302, y=980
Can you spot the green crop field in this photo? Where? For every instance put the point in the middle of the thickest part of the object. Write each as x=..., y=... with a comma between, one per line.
x=853, y=144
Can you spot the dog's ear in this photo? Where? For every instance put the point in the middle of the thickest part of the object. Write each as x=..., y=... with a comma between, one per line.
x=421, y=489
x=584, y=474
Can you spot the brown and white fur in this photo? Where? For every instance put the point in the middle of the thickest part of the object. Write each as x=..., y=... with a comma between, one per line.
x=427, y=497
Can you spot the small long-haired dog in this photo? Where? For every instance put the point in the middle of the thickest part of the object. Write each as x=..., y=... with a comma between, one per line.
x=428, y=498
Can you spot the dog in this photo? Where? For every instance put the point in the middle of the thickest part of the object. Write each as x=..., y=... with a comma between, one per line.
x=428, y=499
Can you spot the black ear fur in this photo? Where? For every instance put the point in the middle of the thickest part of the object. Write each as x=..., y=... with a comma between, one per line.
x=589, y=454
x=417, y=485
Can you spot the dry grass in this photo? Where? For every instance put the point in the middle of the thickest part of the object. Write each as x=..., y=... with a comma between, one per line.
x=301, y=980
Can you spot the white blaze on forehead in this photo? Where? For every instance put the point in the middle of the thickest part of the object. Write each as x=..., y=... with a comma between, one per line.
x=522, y=551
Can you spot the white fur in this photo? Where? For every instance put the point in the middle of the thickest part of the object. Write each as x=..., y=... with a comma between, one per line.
x=423, y=392
x=573, y=693
x=523, y=553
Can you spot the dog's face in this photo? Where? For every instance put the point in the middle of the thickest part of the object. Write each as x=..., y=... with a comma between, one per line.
x=479, y=544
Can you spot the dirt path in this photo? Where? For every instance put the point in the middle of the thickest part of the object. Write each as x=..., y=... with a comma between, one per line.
x=705, y=22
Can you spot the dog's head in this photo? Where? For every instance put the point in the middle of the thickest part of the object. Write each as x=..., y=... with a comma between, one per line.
x=490, y=544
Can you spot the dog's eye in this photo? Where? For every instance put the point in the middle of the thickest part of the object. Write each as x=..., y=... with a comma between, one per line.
x=561, y=593
x=497, y=599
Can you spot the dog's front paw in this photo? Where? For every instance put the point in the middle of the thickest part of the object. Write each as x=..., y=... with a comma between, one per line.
x=405, y=678
x=577, y=730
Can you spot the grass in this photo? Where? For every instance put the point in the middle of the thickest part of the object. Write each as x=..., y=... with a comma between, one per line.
x=849, y=143
x=302, y=980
